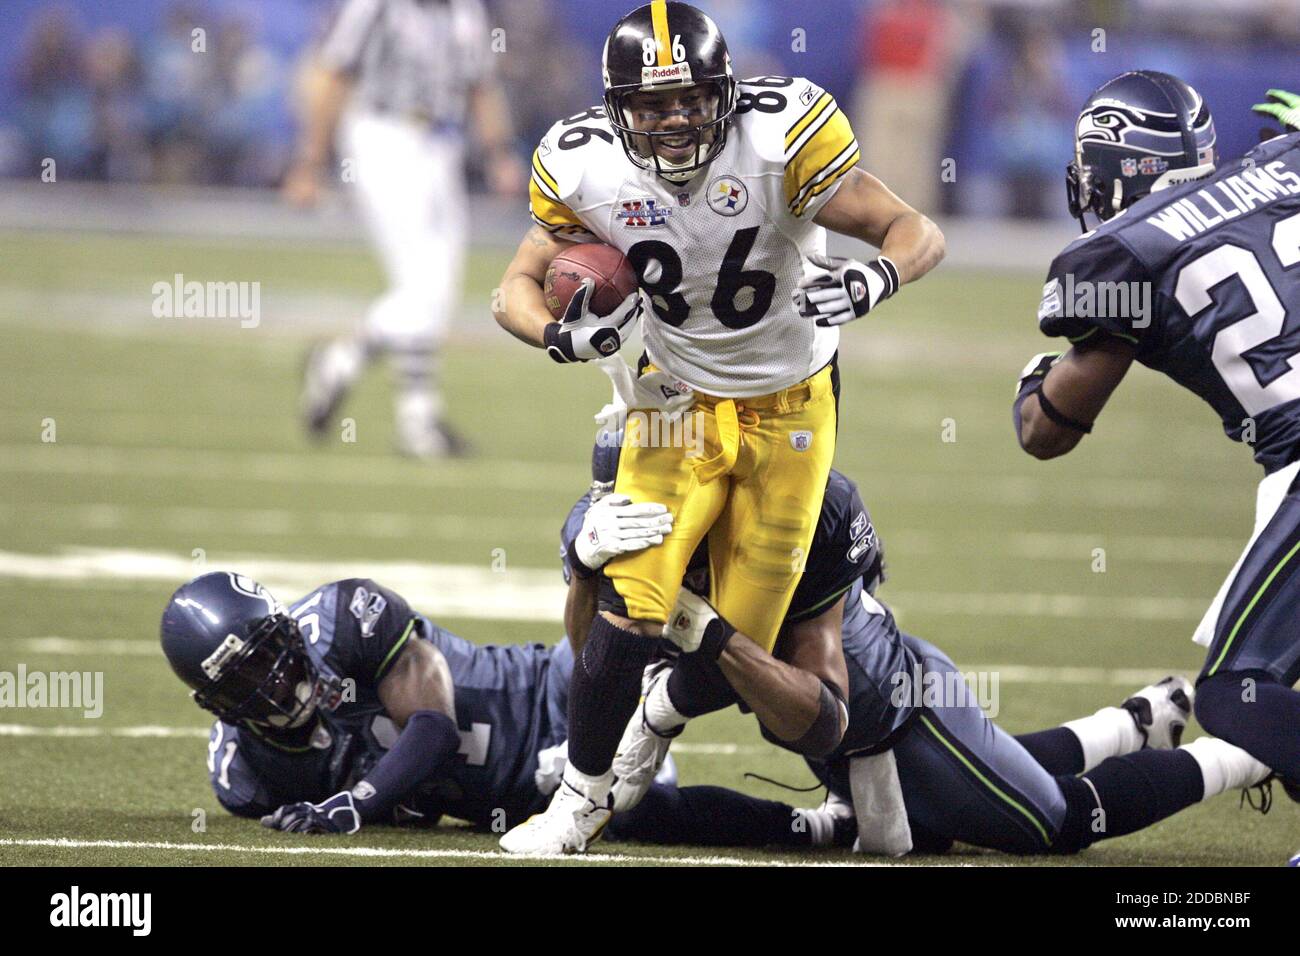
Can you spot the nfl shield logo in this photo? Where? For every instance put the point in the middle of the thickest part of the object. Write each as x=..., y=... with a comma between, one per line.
x=1128, y=166
x=801, y=441
x=683, y=198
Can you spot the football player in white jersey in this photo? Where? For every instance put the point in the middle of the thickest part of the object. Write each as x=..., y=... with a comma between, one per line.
x=719, y=193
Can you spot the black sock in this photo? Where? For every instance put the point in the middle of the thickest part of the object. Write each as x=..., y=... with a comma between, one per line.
x=603, y=693
x=1137, y=790
x=708, y=816
x=1251, y=710
x=1058, y=750
x=697, y=686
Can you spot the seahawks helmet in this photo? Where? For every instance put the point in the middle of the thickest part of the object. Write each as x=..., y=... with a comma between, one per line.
x=232, y=642
x=669, y=46
x=1137, y=134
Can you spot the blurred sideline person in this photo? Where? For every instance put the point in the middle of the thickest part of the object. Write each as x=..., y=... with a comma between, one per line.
x=395, y=82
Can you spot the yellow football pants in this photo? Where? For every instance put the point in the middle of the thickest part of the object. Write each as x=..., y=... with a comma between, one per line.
x=752, y=482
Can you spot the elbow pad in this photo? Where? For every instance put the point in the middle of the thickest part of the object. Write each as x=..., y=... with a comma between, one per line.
x=825, y=733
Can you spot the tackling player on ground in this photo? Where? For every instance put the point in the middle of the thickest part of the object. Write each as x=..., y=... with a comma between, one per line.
x=719, y=193
x=1219, y=246
x=347, y=706
x=920, y=765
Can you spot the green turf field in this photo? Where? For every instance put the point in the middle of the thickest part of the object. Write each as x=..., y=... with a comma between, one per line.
x=176, y=444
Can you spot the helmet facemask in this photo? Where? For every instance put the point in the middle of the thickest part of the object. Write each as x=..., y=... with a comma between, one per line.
x=675, y=130
x=266, y=679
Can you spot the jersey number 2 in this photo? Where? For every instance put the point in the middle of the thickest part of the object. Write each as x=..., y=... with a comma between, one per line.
x=1232, y=342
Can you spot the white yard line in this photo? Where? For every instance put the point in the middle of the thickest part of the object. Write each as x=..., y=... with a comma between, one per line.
x=438, y=590
x=524, y=594
x=405, y=854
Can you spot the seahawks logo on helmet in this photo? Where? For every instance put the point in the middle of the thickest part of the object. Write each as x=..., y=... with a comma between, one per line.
x=1138, y=133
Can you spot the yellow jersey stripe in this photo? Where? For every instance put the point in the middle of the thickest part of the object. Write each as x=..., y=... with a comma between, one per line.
x=663, y=42
x=546, y=177
x=831, y=138
x=806, y=120
x=541, y=184
x=548, y=211
x=832, y=171
x=829, y=180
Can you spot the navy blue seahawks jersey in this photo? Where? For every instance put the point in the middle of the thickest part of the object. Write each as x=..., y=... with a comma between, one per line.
x=252, y=775
x=881, y=669
x=510, y=700
x=1204, y=278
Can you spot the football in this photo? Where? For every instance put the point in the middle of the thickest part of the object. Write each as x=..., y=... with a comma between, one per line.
x=614, y=277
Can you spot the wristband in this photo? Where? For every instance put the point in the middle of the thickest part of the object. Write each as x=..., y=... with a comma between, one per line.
x=1059, y=417
x=716, y=635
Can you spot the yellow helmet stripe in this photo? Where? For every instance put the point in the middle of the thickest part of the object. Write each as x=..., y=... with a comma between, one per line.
x=663, y=42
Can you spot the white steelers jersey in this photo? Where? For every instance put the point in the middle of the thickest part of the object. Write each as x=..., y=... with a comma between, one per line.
x=721, y=255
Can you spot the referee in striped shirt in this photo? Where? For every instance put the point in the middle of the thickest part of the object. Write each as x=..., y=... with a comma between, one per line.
x=395, y=88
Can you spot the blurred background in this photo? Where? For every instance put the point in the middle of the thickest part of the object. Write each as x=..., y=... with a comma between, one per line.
x=114, y=91
x=142, y=442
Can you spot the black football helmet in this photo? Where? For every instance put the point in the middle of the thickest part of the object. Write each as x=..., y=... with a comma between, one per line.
x=668, y=46
x=1137, y=134
x=233, y=643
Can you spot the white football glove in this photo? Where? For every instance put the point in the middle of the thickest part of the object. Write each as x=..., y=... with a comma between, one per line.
x=582, y=335
x=835, y=290
x=693, y=625
x=614, y=525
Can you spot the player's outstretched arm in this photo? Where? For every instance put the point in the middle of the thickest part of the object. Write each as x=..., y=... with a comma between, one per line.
x=800, y=703
x=419, y=696
x=863, y=207
x=1060, y=396
x=519, y=307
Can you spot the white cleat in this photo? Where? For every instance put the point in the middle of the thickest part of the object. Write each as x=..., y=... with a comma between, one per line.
x=1161, y=711
x=831, y=824
x=642, y=749
x=328, y=372
x=570, y=824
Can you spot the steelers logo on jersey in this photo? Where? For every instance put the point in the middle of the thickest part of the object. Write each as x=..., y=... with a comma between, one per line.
x=728, y=196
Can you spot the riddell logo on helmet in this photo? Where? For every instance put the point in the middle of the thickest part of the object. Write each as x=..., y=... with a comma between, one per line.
x=661, y=74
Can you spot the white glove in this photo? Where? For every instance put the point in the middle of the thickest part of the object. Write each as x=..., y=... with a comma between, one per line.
x=582, y=335
x=614, y=525
x=836, y=290
x=694, y=625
